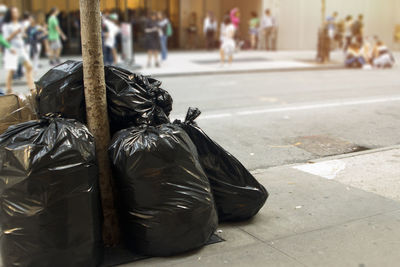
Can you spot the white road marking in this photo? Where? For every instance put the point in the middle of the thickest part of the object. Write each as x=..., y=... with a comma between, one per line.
x=215, y=116
x=327, y=169
x=300, y=107
x=322, y=105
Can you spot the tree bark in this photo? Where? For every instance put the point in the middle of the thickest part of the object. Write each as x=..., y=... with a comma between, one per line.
x=96, y=108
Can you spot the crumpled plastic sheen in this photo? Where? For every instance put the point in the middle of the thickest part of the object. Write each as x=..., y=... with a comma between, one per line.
x=60, y=91
x=132, y=99
x=164, y=197
x=238, y=195
x=50, y=212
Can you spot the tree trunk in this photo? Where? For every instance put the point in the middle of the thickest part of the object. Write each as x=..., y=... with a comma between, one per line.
x=96, y=108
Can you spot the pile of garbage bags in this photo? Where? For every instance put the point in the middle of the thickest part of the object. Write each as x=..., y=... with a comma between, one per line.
x=238, y=195
x=50, y=211
x=174, y=184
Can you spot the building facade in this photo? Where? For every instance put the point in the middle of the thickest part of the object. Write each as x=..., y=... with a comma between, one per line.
x=298, y=20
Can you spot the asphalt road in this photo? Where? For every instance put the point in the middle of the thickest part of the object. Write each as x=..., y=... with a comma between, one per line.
x=276, y=118
x=271, y=119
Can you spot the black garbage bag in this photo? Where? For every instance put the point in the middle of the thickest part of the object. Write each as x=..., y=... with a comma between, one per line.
x=134, y=99
x=165, y=200
x=238, y=195
x=50, y=212
x=60, y=91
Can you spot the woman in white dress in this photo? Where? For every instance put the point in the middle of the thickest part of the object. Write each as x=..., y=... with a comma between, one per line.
x=227, y=40
x=13, y=31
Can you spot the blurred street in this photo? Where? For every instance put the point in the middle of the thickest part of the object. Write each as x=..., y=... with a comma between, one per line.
x=301, y=99
x=284, y=113
x=325, y=143
x=324, y=140
x=270, y=119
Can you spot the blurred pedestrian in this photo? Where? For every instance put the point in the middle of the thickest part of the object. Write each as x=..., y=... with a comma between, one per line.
x=266, y=31
x=110, y=39
x=348, y=34
x=192, y=31
x=228, y=41
x=165, y=28
x=382, y=57
x=367, y=50
x=354, y=56
x=152, y=30
x=55, y=34
x=254, y=24
x=41, y=21
x=331, y=24
x=34, y=35
x=13, y=32
x=339, y=36
x=3, y=45
x=357, y=28
x=26, y=21
x=3, y=11
x=210, y=27
x=25, y=24
x=235, y=17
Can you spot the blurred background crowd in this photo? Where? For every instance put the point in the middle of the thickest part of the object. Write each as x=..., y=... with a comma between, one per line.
x=49, y=29
x=348, y=34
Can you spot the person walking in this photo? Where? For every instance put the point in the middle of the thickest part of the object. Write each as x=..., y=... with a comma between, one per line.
x=266, y=31
x=152, y=39
x=55, y=34
x=228, y=41
x=254, y=24
x=164, y=24
x=210, y=27
x=110, y=39
x=34, y=35
x=13, y=32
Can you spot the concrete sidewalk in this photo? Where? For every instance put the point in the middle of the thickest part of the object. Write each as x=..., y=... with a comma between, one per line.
x=204, y=63
x=341, y=211
x=207, y=62
x=189, y=63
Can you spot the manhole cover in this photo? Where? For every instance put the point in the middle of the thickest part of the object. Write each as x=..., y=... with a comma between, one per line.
x=325, y=145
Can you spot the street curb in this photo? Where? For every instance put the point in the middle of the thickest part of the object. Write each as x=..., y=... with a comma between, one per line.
x=354, y=154
x=203, y=73
x=224, y=72
x=335, y=157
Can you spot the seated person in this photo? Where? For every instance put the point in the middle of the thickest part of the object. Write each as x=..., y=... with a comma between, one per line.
x=354, y=56
x=367, y=50
x=382, y=57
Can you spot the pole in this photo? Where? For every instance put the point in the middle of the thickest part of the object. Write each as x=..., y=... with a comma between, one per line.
x=96, y=108
x=323, y=11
